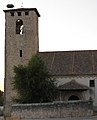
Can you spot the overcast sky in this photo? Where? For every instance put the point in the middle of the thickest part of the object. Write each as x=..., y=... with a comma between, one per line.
x=63, y=25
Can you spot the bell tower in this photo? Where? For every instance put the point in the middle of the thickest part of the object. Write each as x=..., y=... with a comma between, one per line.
x=21, y=42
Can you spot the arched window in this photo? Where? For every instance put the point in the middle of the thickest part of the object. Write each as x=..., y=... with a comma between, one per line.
x=73, y=97
x=19, y=27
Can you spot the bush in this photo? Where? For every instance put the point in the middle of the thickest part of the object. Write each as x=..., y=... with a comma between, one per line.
x=33, y=82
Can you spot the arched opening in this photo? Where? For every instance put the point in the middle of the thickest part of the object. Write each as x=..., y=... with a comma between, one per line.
x=19, y=27
x=73, y=97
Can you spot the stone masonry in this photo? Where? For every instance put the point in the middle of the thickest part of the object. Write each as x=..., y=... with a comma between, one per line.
x=52, y=110
x=19, y=48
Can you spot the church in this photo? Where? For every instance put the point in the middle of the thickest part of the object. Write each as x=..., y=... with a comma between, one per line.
x=75, y=71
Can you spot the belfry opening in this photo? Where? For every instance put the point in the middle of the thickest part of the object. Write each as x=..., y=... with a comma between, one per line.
x=19, y=27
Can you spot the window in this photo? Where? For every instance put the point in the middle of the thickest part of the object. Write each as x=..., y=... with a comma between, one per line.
x=19, y=13
x=20, y=53
x=19, y=27
x=12, y=13
x=73, y=97
x=92, y=83
x=26, y=13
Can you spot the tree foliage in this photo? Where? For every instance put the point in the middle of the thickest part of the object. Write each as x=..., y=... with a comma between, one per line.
x=33, y=82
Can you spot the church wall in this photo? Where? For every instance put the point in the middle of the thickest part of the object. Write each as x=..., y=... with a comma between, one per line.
x=82, y=80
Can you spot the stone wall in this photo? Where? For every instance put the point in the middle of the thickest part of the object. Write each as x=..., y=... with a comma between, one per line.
x=52, y=110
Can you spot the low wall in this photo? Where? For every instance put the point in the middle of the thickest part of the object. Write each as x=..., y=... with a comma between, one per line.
x=52, y=110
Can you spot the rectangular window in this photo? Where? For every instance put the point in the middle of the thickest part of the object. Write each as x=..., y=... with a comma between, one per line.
x=19, y=13
x=92, y=83
x=20, y=53
x=12, y=13
x=26, y=13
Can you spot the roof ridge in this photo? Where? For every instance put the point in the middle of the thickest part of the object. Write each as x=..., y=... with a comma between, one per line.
x=68, y=51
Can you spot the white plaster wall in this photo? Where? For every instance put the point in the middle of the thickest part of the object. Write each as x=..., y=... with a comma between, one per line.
x=82, y=80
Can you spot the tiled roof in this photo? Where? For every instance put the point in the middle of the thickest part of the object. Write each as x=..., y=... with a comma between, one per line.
x=72, y=85
x=71, y=62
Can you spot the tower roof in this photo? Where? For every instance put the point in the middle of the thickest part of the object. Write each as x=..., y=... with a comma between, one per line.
x=23, y=9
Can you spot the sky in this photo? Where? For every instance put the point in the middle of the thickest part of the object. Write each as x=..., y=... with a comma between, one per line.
x=64, y=25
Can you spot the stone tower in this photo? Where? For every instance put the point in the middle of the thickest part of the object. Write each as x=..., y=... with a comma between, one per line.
x=21, y=42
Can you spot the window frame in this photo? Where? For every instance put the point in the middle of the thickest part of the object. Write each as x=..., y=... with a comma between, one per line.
x=92, y=83
x=26, y=13
x=12, y=13
x=19, y=13
x=19, y=27
x=21, y=53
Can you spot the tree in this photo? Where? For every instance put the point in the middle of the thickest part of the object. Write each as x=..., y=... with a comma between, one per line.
x=33, y=82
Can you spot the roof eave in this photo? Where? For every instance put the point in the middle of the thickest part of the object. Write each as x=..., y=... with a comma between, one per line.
x=23, y=9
